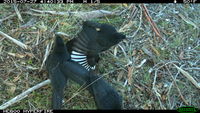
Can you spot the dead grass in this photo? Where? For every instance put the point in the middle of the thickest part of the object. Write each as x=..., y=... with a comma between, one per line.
x=140, y=68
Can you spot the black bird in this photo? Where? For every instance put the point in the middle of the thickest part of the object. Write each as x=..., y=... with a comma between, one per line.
x=93, y=39
x=60, y=68
x=58, y=79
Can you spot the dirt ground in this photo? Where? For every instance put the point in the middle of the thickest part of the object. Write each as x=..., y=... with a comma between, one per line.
x=156, y=67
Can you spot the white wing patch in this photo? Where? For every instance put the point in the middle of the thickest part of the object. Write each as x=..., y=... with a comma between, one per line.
x=77, y=56
x=76, y=53
x=81, y=59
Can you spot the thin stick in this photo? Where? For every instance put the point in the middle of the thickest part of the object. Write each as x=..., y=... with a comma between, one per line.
x=24, y=94
x=169, y=89
x=85, y=87
x=154, y=26
x=18, y=13
x=80, y=14
x=7, y=17
x=155, y=90
x=48, y=48
x=24, y=46
x=141, y=63
x=174, y=81
x=188, y=76
x=79, y=91
x=140, y=23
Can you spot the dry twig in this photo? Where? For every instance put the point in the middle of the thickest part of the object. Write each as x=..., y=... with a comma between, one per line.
x=80, y=14
x=154, y=26
x=18, y=13
x=24, y=94
x=80, y=90
x=174, y=81
x=139, y=26
x=7, y=17
x=24, y=46
x=48, y=48
x=155, y=90
x=188, y=76
x=141, y=63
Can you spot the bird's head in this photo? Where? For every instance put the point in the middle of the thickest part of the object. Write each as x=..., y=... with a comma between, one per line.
x=102, y=35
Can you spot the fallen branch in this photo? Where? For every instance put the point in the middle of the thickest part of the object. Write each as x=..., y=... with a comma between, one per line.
x=24, y=46
x=24, y=94
x=154, y=26
x=80, y=14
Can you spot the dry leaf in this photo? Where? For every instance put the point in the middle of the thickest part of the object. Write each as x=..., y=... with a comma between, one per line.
x=126, y=27
x=130, y=73
x=155, y=50
x=146, y=51
x=181, y=55
x=138, y=87
x=125, y=5
x=12, y=87
x=115, y=50
x=17, y=55
x=134, y=52
x=164, y=97
x=120, y=75
x=1, y=48
x=17, y=78
x=29, y=54
x=64, y=23
x=159, y=85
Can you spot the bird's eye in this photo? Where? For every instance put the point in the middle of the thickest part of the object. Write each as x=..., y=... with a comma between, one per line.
x=98, y=29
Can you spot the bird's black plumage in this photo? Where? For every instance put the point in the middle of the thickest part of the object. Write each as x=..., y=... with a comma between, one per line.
x=58, y=79
x=93, y=39
x=106, y=97
x=60, y=68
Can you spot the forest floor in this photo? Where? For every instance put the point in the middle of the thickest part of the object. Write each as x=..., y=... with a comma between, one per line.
x=153, y=68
